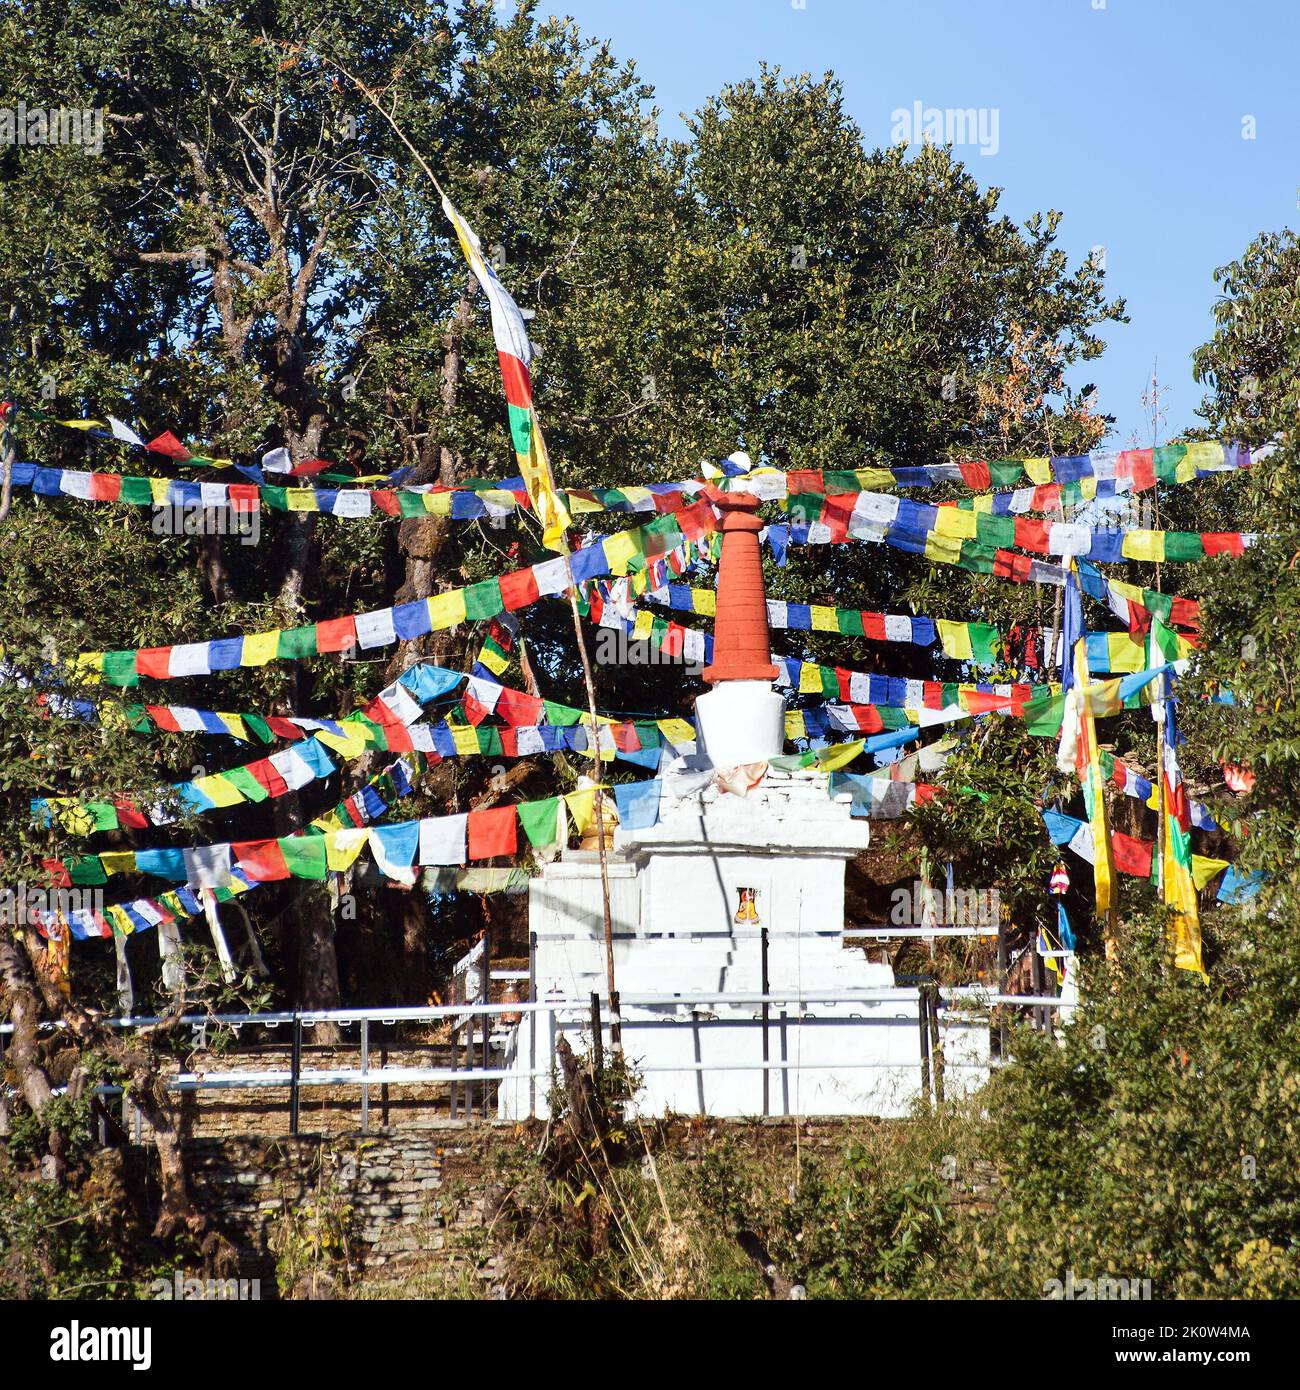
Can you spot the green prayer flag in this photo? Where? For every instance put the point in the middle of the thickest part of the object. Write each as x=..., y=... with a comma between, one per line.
x=540, y=820
x=297, y=641
x=304, y=856
x=483, y=600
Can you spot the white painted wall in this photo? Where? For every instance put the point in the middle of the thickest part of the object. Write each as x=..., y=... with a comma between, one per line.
x=674, y=892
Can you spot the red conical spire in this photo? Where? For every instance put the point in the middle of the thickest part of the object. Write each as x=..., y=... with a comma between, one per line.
x=741, y=647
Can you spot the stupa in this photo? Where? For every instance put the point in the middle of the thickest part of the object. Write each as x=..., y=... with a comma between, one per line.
x=737, y=886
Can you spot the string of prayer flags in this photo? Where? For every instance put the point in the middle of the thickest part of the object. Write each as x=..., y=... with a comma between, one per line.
x=1133, y=857
x=1131, y=603
x=840, y=755
x=486, y=599
x=484, y=834
x=880, y=798
x=486, y=502
x=938, y=531
x=1134, y=470
x=515, y=353
x=1132, y=784
x=375, y=799
x=1140, y=468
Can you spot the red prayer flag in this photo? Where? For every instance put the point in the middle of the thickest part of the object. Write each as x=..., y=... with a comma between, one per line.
x=519, y=589
x=336, y=634
x=492, y=833
x=261, y=860
x=153, y=661
x=1131, y=856
x=168, y=444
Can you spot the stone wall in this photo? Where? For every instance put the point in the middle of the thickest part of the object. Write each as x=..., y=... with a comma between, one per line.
x=349, y=1206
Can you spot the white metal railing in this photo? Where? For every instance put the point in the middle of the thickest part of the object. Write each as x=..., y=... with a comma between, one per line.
x=877, y=1006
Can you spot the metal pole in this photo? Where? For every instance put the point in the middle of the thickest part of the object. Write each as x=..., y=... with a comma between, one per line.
x=487, y=1018
x=383, y=1089
x=532, y=1025
x=922, y=1009
x=1002, y=984
x=365, y=1085
x=767, y=1009
x=1036, y=975
x=295, y=1071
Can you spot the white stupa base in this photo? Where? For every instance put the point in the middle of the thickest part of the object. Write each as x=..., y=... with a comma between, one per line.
x=741, y=722
x=675, y=889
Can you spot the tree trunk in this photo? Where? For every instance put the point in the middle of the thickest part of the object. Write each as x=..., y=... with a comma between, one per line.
x=18, y=991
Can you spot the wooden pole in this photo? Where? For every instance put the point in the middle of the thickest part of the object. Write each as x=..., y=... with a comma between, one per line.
x=8, y=453
x=615, y=1027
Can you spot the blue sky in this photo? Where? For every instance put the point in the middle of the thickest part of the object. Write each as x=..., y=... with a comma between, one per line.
x=1128, y=118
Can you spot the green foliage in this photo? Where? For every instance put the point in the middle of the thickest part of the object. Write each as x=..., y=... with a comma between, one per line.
x=1155, y=1139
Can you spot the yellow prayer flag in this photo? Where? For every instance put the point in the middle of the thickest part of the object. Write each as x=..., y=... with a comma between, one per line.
x=342, y=848
x=218, y=790
x=1143, y=545
x=235, y=726
x=955, y=639
x=620, y=549
x=352, y=742
x=832, y=759
x=582, y=806
x=944, y=549
x=955, y=521
x=465, y=737
x=1205, y=868
x=259, y=648
x=447, y=610
x=823, y=618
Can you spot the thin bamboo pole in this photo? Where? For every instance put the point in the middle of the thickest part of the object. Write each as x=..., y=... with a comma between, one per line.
x=615, y=1030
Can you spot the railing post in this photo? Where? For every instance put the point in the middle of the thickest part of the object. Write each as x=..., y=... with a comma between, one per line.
x=365, y=1067
x=1036, y=973
x=767, y=1075
x=532, y=1026
x=1001, y=1009
x=486, y=993
x=295, y=1071
x=383, y=1086
x=922, y=1012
